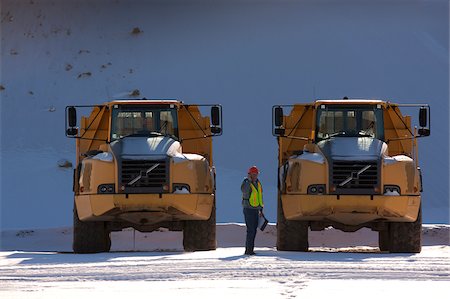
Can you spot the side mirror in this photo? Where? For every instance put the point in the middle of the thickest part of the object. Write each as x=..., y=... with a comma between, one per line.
x=72, y=119
x=216, y=120
x=425, y=126
x=215, y=116
x=278, y=121
x=278, y=116
x=423, y=121
x=72, y=116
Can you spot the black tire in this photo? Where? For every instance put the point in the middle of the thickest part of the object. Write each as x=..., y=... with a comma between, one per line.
x=406, y=237
x=383, y=240
x=200, y=235
x=89, y=237
x=291, y=235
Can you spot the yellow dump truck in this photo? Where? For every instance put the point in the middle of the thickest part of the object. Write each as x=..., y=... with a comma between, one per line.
x=349, y=164
x=145, y=164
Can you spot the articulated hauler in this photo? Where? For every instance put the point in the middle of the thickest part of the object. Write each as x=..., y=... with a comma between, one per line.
x=145, y=164
x=349, y=164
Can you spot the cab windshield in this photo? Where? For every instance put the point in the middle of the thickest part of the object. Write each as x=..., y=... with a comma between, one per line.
x=144, y=120
x=349, y=121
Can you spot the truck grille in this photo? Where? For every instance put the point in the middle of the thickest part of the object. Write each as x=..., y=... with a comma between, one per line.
x=355, y=177
x=143, y=176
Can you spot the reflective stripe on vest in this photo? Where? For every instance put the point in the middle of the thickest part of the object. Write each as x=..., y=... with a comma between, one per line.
x=255, y=198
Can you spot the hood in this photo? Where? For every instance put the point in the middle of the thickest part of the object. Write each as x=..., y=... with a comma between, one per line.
x=146, y=147
x=352, y=148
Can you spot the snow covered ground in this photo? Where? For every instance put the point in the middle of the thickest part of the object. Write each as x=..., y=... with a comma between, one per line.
x=38, y=264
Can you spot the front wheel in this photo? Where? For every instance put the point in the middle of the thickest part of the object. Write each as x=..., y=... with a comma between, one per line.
x=89, y=237
x=406, y=237
x=200, y=235
x=291, y=235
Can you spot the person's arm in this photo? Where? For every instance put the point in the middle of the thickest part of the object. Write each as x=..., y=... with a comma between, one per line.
x=246, y=189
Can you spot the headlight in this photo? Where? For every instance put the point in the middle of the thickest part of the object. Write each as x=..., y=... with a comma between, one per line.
x=316, y=189
x=105, y=189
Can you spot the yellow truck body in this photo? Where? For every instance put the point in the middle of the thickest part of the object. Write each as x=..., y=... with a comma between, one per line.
x=349, y=164
x=144, y=164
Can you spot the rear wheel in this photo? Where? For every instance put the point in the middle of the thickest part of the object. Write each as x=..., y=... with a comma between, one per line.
x=291, y=235
x=89, y=237
x=200, y=235
x=406, y=237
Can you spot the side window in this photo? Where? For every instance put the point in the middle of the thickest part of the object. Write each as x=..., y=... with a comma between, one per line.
x=367, y=118
x=166, y=121
x=368, y=122
x=323, y=125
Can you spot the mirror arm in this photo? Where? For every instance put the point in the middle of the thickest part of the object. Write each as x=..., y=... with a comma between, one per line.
x=404, y=138
x=193, y=138
x=295, y=137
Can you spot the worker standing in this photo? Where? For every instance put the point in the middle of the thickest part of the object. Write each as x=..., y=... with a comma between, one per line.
x=252, y=202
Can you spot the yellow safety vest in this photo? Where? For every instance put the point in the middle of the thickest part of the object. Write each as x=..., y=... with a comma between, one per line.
x=255, y=198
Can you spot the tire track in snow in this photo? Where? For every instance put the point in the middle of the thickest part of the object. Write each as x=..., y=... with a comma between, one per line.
x=292, y=270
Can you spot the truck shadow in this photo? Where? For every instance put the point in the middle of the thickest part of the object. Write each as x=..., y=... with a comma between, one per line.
x=72, y=258
x=263, y=254
x=321, y=254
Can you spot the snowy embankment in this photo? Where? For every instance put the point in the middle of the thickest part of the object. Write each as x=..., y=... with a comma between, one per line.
x=345, y=265
x=228, y=235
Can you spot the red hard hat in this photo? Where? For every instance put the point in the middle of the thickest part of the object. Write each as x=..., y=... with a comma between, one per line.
x=253, y=169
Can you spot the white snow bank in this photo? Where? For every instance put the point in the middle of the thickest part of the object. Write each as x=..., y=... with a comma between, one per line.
x=228, y=235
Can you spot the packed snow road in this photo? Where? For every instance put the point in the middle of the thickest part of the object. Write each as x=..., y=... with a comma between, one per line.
x=281, y=274
x=348, y=272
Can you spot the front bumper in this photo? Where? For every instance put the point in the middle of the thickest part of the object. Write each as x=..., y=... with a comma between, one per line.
x=350, y=209
x=147, y=208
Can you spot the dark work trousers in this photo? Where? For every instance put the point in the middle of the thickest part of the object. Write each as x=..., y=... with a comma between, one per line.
x=251, y=221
